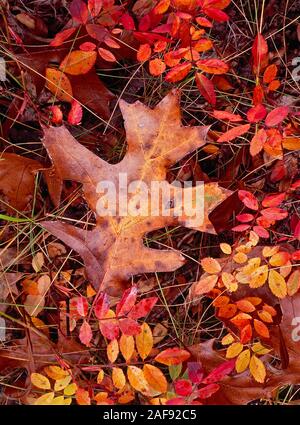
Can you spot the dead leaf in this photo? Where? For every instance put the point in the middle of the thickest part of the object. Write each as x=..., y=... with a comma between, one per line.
x=153, y=137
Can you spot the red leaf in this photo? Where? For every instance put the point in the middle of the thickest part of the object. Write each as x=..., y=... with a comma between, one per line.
x=127, y=301
x=241, y=228
x=259, y=53
x=216, y=14
x=94, y=7
x=260, y=231
x=233, y=133
x=142, y=308
x=208, y=391
x=101, y=306
x=96, y=31
x=62, y=36
x=248, y=199
x=87, y=46
x=127, y=22
x=274, y=213
x=75, y=114
x=225, y=115
x=270, y=73
x=273, y=200
x=129, y=326
x=219, y=372
x=206, y=88
x=256, y=113
x=203, y=22
x=258, y=95
x=276, y=116
x=183, y=387
x=195, y=372
x=212, y=66
x=179, y=72
x=107, y=55
x=244, y=218
x=246, y=334
x=79, y=11
x=258, y=141
x=85, y=333
x=57, y=115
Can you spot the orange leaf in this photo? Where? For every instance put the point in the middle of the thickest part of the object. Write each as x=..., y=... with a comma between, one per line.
x=245, y=306
x=82, y=397
x=212, y=66
x=246, y=334
x=118, y=378
x=293, y=283
x=106, y=55
x=156, y=67
x=261, y=328
x=210, y=265
x=172, y=356
x=126, y=346
x=112, y=350
x=270, y=73
x=155, y=378
x=78, y=62
x=225, y=115
x=179, y=72
x=137, y=379
x=233, y=133
x=227, y=311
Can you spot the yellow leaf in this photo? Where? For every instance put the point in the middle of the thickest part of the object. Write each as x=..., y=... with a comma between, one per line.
x=70, y=389
x=44, y=399
x=234, y=350
x=242, y=362
x=210, y=265
x=112, y=350
x=137, y=379
x=257, y=369
x=61, y=384
x=155, y=378
x=227, y=339
x=226, y=248
x=100, y=376
x=268, y=251
x=126, y=346
x=55, y=372
x=259, y=277
x=144, y=341
x=229, y=281
x=118, y=378
x=40, y=381
x=58, y=401
x=259, y=349
x=277, y=284
x=59, y=85
x=67, y=401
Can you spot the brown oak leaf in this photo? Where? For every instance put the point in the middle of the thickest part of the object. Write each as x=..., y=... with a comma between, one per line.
x=114, y=251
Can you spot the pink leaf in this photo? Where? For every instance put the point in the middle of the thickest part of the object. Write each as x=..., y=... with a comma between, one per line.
x=75, y=114
x=142, y=308
x=219, y=372
x=248, y=199
x=257, y=113
x=85, y=333
x=129, y=326
x=127, y=301
x=276, y=116
x=101, y=306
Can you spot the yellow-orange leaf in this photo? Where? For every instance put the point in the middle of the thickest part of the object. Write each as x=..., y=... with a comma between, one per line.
x=100, y=376
x=259, y=349
x=112, y=350
x=293, y=283
x=78, y=62
x=257, y=369
x=45, y=399
x=205, y=285
x=210, y=265
x=144, y=341
x=227, y=339
x=59, y=85
x=62, y=383
x=277, y=284
x=226, y=248
x=118, y=378
x=40, y=381
x=55, y=372
x=155, y=378
x=137, y=379
x=126, y=346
